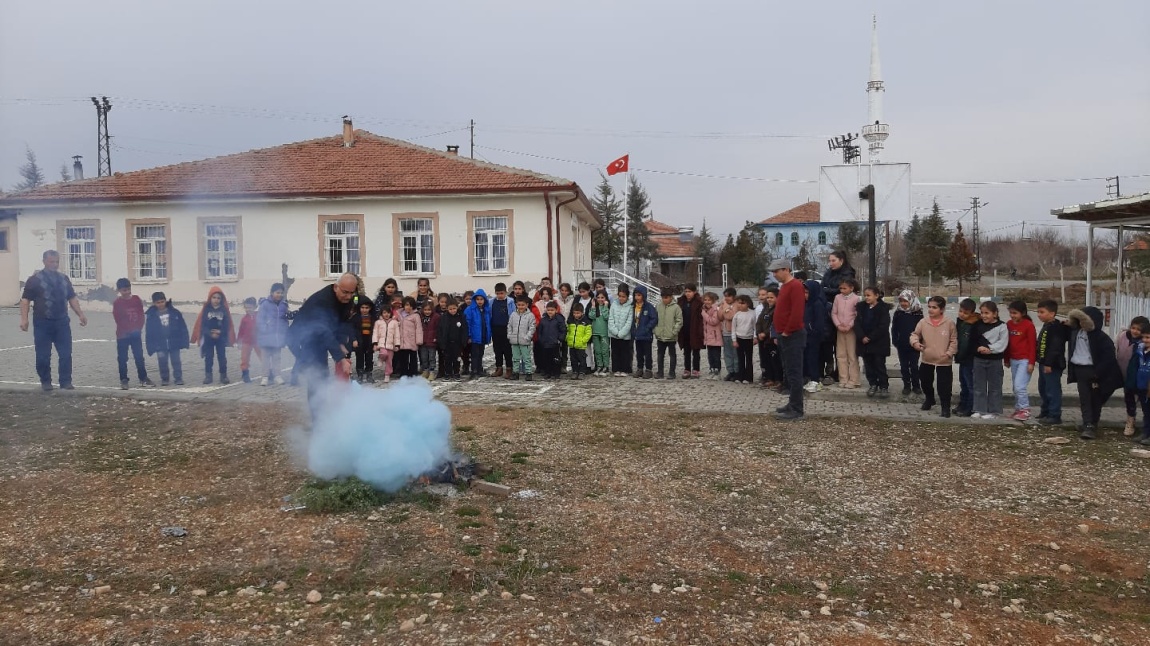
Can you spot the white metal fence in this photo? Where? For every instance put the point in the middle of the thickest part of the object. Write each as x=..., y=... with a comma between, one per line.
x=1118, y=309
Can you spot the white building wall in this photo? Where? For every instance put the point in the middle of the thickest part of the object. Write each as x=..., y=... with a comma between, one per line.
x=289, y=231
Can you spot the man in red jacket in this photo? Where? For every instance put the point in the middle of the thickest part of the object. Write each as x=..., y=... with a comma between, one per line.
x=788, y=324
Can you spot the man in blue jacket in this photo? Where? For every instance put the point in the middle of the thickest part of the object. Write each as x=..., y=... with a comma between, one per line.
x=478, y=316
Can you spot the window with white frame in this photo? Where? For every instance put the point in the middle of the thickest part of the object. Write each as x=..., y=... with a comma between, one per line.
x=822, y=237
x=490, y=244
x=150, y=252
x=794, y=238
x=778, y=239
x=417, y=245
x=341, y=245
x=79, y=260
x=221, y=250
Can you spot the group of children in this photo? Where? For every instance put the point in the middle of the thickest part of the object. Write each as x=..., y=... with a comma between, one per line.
x=163, y=331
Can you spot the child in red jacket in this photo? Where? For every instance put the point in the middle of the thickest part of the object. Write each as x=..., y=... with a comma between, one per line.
x=1020, y=357
x=246, y=337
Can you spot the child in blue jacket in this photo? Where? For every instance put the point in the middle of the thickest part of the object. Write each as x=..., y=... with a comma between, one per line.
x=644, y=318
x=478, y=316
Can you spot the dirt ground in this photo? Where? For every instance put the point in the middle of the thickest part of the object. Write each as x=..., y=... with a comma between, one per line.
x=643, y=527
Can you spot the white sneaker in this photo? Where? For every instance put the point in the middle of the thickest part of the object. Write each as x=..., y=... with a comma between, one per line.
x=989, y=416
x=976, y=416
x=279, y=381
x=263, y=381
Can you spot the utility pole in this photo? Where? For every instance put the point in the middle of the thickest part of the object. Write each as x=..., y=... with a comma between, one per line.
x=1112, y=188
x=974, y=204
x=473, y=138
x=867, y=193
x=103, y=139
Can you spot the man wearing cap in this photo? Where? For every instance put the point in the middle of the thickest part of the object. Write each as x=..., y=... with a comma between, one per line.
x=788, y=324
x=49, y=293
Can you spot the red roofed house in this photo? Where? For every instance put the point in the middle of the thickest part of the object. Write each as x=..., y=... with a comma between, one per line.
x=371, y=205
x=677, y=262
x=802, y=228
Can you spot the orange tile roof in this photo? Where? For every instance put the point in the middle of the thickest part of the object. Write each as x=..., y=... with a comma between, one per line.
x=657, y=227
x=1138, y=245
x=323, y=167
x=801, y=214
x=672, y=248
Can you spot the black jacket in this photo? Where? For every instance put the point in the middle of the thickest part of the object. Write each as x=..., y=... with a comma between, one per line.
x=552, y=330
x=320, y=327
x=1107, y=372
x=1052, y=345
x=160, y=339
x=451, y=333
x=833, y=278
x=902, y=325
x=873, y=323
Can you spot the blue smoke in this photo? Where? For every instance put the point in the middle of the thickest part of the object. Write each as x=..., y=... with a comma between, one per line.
x=385, y=437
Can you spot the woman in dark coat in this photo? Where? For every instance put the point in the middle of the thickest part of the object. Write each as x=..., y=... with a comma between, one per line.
x=839, y=269
x=1097, y=381
x=815, y=318
x=691, y=334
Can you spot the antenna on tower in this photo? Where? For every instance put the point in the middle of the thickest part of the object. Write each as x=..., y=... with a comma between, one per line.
x=1112, y=188
x=851, y=152
x=103, y=139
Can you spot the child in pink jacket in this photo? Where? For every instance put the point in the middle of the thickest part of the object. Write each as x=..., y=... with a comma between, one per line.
x=713, y=334
x=843, y=312
x=385, y=339
x=410, y=338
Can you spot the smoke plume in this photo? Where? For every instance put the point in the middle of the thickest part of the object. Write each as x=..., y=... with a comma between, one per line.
x=385, y=437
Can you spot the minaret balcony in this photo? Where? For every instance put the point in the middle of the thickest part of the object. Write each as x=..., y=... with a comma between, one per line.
x=876, y=132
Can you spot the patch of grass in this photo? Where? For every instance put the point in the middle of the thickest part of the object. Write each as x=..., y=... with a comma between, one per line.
x=472, y=550
x=736, y=577
x=519, y=460
x=468, y=510
x=520, y=454
x=355, y=495
x=464, y=429
x=496, y=476
x=504, y=409
x=507, y=548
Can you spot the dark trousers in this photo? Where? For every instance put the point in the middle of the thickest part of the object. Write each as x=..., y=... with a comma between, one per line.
x=666, y=347
x=45, y=334
x=477, y=358
x=364, y=361
x=1145, y=402
x=163, y=358
x=465, y=357
x=215, y=349
x=1130, y=398
x=405, y=363
x=812, y=360
x=1089, y=397
x=875, y=367
x=578, y=361
x=134, y=342
x=448, y=363
x=620, y=355
x=908, y=365
x=550, y=361
x=945, y=374
x=791, y=348
x=827, y=356
x=715, y=358
x=1050, y=393
x=966, y=387
x=769, y=364
x=502, y=346
x=745, y=350
x=643, y=355
x=691, y=360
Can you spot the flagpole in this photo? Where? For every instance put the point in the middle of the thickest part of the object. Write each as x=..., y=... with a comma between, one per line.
x=626, y=210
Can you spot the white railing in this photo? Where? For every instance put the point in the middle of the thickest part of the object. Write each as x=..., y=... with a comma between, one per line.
x=1118, y=309
x=613, y=278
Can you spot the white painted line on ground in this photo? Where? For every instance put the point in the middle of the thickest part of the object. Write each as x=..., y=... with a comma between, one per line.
x=171, y=389
x=500, y=393
x=74, y=341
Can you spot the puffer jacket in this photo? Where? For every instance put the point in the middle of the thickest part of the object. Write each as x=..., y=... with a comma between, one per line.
x=386, y=334
x=410, y=331
x=271, y=324
x=712, y=328
x=619, y=319
x=670, y=321
x=479, y=319
x=1106, y=368
x=552, y=330
x=578, y=333
x=643, y=324
x=521, y=327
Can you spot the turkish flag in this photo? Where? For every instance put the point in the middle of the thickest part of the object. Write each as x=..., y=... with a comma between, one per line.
x=619, y=165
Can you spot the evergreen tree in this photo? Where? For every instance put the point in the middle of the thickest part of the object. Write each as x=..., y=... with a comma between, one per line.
x=931, y=241
x=607, y=243
x=960, y=263
x=851, y=237
x=30, y=171
x=706, y=248
x=65, y=176
x=640, y=246
x=746, y=256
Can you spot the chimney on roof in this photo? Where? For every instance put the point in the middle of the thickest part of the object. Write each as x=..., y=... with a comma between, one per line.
x=348, y=132
x=686, y=234
x=77, y=167
x=453, y=150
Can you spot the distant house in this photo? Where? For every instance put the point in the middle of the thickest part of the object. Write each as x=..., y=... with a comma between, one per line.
x=371, y=205
x=787, y=233
x=677, y=261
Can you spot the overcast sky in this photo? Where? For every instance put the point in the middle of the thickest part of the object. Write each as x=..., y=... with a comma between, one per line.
x=976, y=91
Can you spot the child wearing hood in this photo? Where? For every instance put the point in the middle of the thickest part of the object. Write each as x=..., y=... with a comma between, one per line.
x=478, y=316
x=643, y=321
x=906, y=318
x=619, y=328
x=214, y=332
x=815, y=320
x=271, y=333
